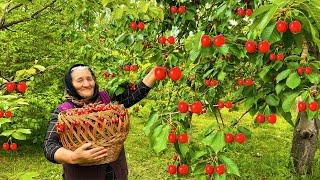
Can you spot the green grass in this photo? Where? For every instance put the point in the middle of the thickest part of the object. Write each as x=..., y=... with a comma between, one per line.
x=265, y=156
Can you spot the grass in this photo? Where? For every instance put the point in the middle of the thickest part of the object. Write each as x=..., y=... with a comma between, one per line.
x=266, y=155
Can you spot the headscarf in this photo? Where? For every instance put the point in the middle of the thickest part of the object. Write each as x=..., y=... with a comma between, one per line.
x=71, y=93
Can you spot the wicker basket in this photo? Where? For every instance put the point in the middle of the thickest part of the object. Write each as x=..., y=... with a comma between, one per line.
x=103, y=125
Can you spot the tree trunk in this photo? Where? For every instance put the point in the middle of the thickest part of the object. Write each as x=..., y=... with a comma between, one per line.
x=304, y=143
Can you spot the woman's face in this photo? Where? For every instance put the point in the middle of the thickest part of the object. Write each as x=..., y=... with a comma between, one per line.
x=83, y=82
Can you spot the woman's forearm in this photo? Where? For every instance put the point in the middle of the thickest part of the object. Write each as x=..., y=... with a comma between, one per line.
x=64, y=156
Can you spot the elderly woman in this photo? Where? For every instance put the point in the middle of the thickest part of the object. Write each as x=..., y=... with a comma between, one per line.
x=81, y=88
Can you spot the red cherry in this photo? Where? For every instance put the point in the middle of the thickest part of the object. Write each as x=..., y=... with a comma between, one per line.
x=220, y=104
x=248, y=82
x=240, y=82
x=1, y=114
x=280, y=57
x=220, y=169
x=13, y=146
x=228, y=137
x=8, y=114
x=22, y=87
x=10, y=86
x=272, y=118
x=207, y=82
x=173, y=9
x=160, y=73
x=182, y=107
x=219, y=40
x=175, y=74
x=249, y=12
x=183, y=138
x=308, y=70
x=182, y=9
x=240, y=138
x=260, y=118
x=281, y=26
x=172, y=138
x=127, y=67
x=313, y=106
x=134, y=67
x=183, y=169
x=162, y=40
x=300, y=70
x=141, y=25
x=241, y=12
x=172, y=169
x=302, y=106
x=205, y=41
x=209, y=169
x=264, y=46
x=272, y=57
x=250, y=46
x=133, y=25
x=228, y=105
x=60, y=127
x=214, y=83
x=295, y=27
x=171, y=40
x=196, y=107
x=5, y=146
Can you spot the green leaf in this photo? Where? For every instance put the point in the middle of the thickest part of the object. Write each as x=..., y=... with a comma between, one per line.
x=151, y=124
x=161, y=134
x=197, y=155
x=249, y=102
x=7, y=132
x=314, y=11
x=279, y=88
x=19, y=135
x=221, y=75
x=216, y=176
x=289, y=101
x=117, y=13
x=4, y=120
x=261, y=9
x=272, y=100
x=29, y=176
x=194, y=53
x=184, y=149
x=293, y=80
x=313, y=78
x=283, y=75
x=266, y=19
x=264, y=71
x=24, y=131
x=215, y=140
x=39, y=67
x=231, y=167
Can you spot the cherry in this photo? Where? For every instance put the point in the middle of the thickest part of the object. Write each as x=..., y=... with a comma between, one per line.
x=1, y=114
x=313, y=106
x=264, y=46
x=196, y=107
x=134, y=67
x=295, y=27
x=175, y=74
x=205, y=41
x=182, y=9
x=228, y=137
x=173, y=9
x=8, y=114
x=183, y=169
x=272, y=118
x=302, y=106
x=280, y=57
x=183, y=138
x=220, y=169
x=127, y=67
x=207, y=82
x=13, y=146
x=308, y=70
x=5, y=146
x=272, y=57
x=241, y=12
x=214, y=83
x=220, y=104
x=209, y=169
x=228, y=105
x=172, y=137
x=260, y=118
x=162, y=40
x=10, y=86
x=240, y=138
x=171, y=40
x=300, y=70
x=250, y=46
x=182, y=107
x=281, y=26
x=133, y=25
x=219, y=40
x=249, y=12
x=172, y=169
x=141, y=25
x=22, y=87
x=160, y=73
x=248, y=82
x=60, y=127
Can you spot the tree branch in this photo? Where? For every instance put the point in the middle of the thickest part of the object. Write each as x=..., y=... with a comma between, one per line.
x=13, y=8
x=25, y=19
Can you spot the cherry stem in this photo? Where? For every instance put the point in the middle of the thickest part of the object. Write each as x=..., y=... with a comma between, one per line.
x=215, y=114
x=221, y=117
x=235, y=123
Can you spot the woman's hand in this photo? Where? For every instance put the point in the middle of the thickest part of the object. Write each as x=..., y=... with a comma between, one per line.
x=85, y=156
x=150, y=78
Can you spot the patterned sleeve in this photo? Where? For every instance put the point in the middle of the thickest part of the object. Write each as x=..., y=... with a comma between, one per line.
x=129, y=98
x=52, y=142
